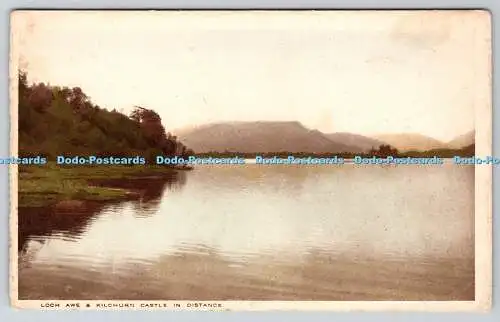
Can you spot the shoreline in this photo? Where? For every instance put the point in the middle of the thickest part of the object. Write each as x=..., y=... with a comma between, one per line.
x=50, y=185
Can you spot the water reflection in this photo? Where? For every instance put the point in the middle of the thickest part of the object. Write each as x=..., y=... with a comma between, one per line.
x=37, y=222
x=330, y=233
x=69, y=224
x=150, y=189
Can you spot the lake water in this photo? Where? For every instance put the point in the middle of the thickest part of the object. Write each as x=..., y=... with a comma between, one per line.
x=262, y=233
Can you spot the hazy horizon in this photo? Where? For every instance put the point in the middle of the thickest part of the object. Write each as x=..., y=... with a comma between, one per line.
x=366, y=73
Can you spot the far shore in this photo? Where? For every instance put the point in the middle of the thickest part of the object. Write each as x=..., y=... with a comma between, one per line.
x=346, y=161
x=349, y=161
x=60, y=186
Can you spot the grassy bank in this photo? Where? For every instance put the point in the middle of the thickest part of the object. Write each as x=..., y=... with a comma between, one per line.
x=49, y=184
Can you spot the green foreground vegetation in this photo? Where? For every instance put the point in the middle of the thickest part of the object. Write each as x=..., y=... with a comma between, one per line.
x=49, y=184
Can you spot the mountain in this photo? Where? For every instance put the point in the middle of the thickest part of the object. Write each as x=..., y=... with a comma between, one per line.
x=411, y=142
x=355, y=141
x=263, y=136
x=463, y=140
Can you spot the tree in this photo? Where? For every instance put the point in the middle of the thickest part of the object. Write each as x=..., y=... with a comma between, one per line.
x=40, y=97
x=153, y=129
x=22, y=83
x=77, y=126
x=384, y=150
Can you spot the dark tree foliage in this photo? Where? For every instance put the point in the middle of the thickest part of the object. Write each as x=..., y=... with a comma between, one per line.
x=153, y=129
x=384, y=150
x=57, y=120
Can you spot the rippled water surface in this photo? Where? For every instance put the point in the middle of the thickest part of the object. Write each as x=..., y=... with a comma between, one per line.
x=262, y=232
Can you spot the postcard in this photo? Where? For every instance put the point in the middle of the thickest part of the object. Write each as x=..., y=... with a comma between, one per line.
x=251, y=160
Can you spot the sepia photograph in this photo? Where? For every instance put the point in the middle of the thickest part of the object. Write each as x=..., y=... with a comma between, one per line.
x=251, y=160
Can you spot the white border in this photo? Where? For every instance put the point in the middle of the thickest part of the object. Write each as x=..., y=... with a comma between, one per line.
x=483, y=210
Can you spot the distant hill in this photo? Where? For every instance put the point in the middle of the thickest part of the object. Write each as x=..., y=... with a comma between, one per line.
x=411, y=142
x=463, y=140
x=355, y=141
x=263, y=136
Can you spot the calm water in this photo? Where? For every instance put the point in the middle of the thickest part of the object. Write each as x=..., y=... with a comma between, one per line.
x=262, y=232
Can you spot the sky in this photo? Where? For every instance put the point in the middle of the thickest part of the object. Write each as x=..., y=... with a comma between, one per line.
x=369, y=73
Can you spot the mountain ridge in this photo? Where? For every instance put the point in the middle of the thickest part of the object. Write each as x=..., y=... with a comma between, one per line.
x=405, y=142
x=259, y=136
x=463, y=140
x=293, y=136
x=362, y=142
